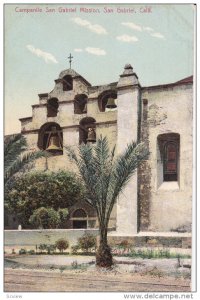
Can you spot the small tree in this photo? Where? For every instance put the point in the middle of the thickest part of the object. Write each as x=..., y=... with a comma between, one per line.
x=87, y=242
x=62, y=244
x=105, y=177
x=45, y=218
x=42, y=247
x=63, y=214
x=56, y=190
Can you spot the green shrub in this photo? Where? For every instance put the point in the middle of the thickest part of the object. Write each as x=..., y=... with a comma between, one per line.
x=45, y=218
x=87, y=242
x=33, y=190
x=150, y=253
x=42, y=247
x=50, y=249
x=22, y=251
x=74, y=249
x=62, y=244
x=31, y=252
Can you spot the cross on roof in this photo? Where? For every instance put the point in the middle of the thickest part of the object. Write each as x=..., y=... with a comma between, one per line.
x=70, y=60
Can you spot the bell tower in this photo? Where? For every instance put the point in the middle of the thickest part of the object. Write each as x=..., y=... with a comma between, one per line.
x=128, y=119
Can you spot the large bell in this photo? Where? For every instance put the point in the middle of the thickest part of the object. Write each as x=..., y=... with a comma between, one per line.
x=85, y=108
x=54, y=144
x=91, y=135
x=111, y=103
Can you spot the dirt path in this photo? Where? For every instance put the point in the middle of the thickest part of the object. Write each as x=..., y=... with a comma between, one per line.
x=34, y=281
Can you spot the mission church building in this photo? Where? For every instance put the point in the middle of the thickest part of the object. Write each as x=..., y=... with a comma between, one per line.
x=158, y=197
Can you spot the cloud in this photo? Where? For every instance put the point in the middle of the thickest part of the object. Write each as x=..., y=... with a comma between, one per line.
x=78, y=50
x=148, y=28
x=127, y=38
x=137, y=27
x=92, y=27
x=158, y=35
x=48, y=57
x=95, y=51
x=132, y=26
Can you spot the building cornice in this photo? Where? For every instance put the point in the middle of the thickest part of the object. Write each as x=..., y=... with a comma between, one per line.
x=71, y=126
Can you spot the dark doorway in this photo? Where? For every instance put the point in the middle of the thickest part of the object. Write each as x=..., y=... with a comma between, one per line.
x=79, y=224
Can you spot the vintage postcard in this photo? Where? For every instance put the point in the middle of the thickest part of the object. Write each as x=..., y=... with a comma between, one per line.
x=99, y=148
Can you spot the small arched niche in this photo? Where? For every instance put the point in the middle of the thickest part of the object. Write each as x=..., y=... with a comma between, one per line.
x=67, y=83
x=52, y=107
x=87, y=130
x=104, y=98
x=80, y=104
x=50, y=138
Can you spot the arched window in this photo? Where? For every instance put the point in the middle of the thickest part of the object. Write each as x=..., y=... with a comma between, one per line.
x=50, y=138
x=107, y=100
x=168, y=160
x=52, y=107
x=79, y=218
x=80, y=104
x=87, y=130
x=67, y=83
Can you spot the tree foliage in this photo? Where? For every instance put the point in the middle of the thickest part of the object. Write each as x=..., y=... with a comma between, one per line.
x=43, y=189
x=87, y=242
x=62, y=244
x=16, y=155
x=47, y=218
x=105, y=176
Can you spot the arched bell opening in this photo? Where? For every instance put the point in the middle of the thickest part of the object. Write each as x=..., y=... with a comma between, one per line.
x=67, y=83
x=106, y=100
x=79, y=219
x=50, y=138
x=80, y=104
x=52, y=107
x=87, y=130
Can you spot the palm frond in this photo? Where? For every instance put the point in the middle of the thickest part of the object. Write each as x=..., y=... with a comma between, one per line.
x=13, y=146
x=125, y=167
x=104, y=175
x=23, y=159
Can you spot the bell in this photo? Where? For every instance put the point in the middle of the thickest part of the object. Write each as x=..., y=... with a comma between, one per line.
x=111, y=103
x=91, y=135
x=54, y=144
x=85, y=108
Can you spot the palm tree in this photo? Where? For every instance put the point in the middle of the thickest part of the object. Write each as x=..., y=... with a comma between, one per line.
x=16, y=155
x=105, y=177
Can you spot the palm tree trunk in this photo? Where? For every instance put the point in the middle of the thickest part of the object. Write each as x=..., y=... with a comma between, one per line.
x=103, y=254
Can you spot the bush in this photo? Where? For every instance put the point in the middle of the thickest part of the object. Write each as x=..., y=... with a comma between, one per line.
x=42, y=247
x=47, y=247
x=62, y=244
x=50, y=249
x=58, y=190
x=74, y=249
x=22, y=251
x=31, y=252
x=87, y=242
x=124, y=244
x=45, y=218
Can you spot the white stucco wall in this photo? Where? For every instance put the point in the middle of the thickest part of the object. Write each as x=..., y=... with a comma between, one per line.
x=170, y=111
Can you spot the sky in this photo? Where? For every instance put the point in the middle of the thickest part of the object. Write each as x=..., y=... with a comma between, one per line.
x=157, y=40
